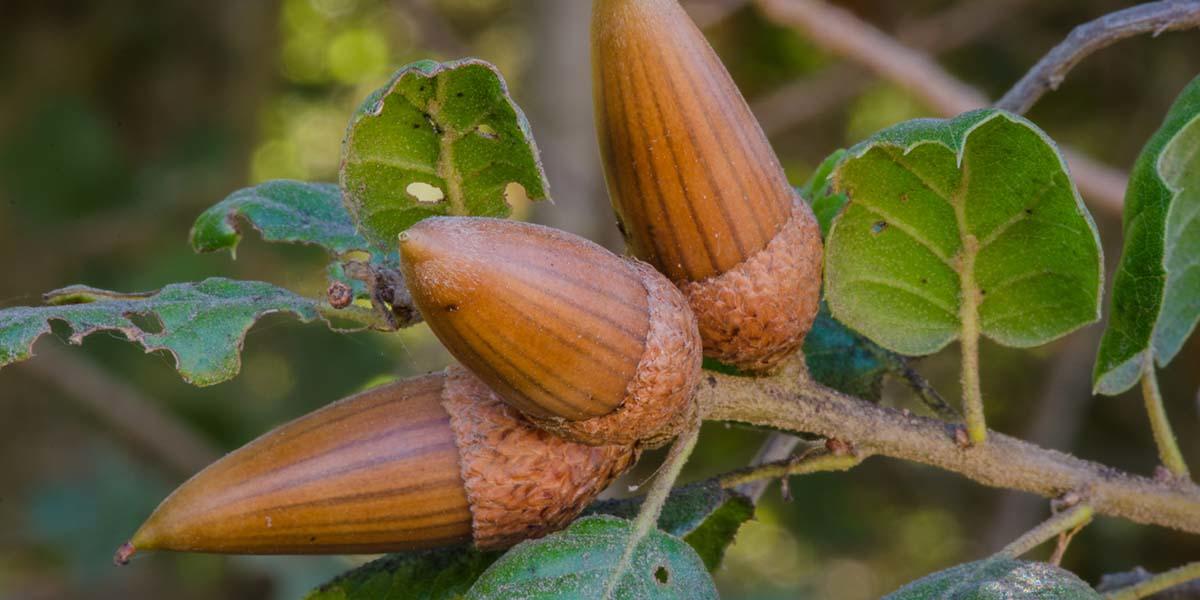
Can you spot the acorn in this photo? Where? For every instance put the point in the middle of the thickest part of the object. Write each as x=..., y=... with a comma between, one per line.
x=596, y=347
x=426, y=462
x=697, y=189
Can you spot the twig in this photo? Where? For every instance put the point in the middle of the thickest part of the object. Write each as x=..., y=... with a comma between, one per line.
x=1157, y=583
x=928, y=395
x=819, y=462
x=843, y=33
x=1060, y=523
x=1116, y=582
x=656, y=498
x=128, y=412
x=791, y=402
x=777, y=447
x=1151, y=17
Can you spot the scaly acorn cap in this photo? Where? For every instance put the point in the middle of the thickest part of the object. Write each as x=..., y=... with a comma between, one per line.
x=431, y=461
x=596, y=347
x=697, y=189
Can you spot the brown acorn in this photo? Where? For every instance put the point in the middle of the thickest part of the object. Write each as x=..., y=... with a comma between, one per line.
x=430, y=461
x=697, y=189
x=594, y=346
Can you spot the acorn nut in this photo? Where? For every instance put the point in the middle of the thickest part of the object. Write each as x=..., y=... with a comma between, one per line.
x=425, y=462
x=697, y=189
x=593, y=346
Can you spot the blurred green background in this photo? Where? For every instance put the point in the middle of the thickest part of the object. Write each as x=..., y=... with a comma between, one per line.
x=120, y=121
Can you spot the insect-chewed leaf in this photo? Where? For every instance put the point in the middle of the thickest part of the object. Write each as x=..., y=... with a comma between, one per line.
x=703, y=514
x=577, y=563
x=818, y=191
x=998, y=579
x=980, y=207
x=1156, y=293
x=445, y=574
x=438, y=139
x=203, y=325
x=283, y=211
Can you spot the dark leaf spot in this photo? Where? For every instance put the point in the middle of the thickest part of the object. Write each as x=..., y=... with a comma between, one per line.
x=879, y=227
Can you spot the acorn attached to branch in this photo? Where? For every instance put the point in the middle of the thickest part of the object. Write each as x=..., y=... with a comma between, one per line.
x=426, y=462
x=599, y=348
x=698, y=191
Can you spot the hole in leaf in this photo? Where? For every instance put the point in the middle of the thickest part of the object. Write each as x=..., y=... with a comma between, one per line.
x=147, y=322
x=517, y=198
x=487, y=131
x=662, y=575
x=879, y=227
x=424, y=192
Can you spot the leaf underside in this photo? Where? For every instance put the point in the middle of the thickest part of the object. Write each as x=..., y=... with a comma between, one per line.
x=1156, y=291
x=998, y=579
x=840, y=358
x=577, y=562
x=928, y=197
x=445, y=574
x=202, y=325
x=438, y=139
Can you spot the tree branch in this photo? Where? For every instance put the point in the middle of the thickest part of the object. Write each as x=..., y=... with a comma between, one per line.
x=839, y=31
x=791, y=402
x=1158, y=583
x=1153, y=18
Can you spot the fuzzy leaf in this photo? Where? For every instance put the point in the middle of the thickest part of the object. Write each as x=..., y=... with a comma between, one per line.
x=703, y=514
x=839, y=358
x=438, y=139
x=1156, y=293
x=576, y=563
x=445, y=574
x=282, y=211
x=998, y=579
x=930, y=197
x=203, y=325
x=826, y=203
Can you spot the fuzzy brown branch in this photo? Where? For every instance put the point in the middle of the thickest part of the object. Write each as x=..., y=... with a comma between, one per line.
x=791, y=402
x=842, y=33
x=1152, y=17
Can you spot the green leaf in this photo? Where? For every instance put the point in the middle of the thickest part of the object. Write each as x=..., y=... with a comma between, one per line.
x=203, y=325
x=949, y=215
x=445, y=574
x=846, y=361
x=704, y=514
x=446, y=129
x=998, y=579
x=819, y=192
x=282, y=211
x=576, y=563
x=1156, y=292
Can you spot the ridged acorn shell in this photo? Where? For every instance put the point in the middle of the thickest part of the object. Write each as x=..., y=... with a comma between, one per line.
x=431, y=461
x=595, y=346
x=695, y=184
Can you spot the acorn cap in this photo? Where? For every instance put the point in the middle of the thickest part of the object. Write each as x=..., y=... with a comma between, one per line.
x=597, y=347
x=425, y=462
x=698, y=191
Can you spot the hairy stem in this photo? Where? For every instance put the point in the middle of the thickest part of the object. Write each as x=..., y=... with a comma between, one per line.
x=1059, y=524
x=800, y=465
x=789, y=401
x=1164, y=436
x=647, y=518
x=1157, y=584
x=1048, y=73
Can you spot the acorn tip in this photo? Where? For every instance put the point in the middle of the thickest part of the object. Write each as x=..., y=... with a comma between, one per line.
x=123, y=554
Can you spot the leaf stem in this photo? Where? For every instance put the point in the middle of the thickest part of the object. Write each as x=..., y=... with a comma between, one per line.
x=1060, y=523
x=969, y=315
x=1164, y=437
x=1157, y=584
x=797, y=465
x=647, y=518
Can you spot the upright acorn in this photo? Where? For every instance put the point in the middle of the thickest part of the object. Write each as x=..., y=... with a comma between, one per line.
x=697, y=189
x=430, y=461
x=600, y=348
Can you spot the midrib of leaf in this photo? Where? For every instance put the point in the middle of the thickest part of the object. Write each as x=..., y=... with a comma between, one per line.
x=969, y=312
x=445, y=166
